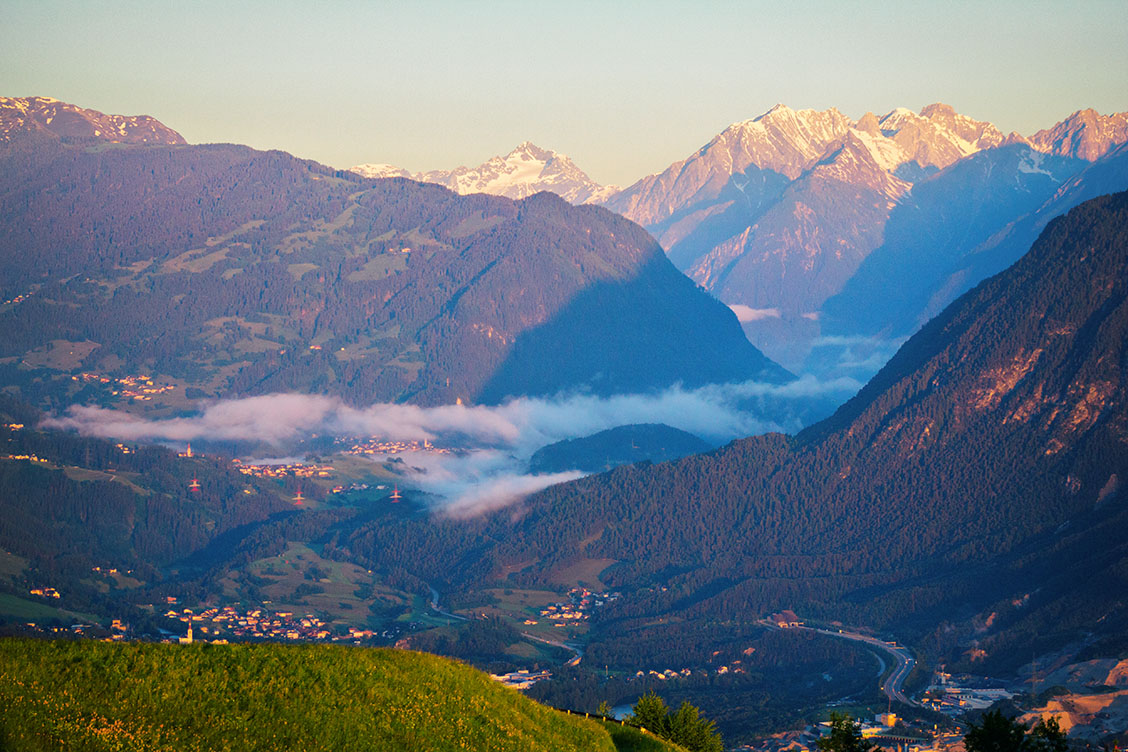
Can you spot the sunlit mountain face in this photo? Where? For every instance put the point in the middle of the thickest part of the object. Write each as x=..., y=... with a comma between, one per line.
x=780, y=215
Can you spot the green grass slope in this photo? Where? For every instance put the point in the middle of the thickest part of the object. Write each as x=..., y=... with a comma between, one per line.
x=110, y=696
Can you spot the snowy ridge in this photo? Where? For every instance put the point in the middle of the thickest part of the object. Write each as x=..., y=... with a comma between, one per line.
x=526, y=170
x=380, y=171
x=1085, y=134
x=781, y=141
x=938, y=136
x=867, y=159
x=50, y=116
x=788, y=143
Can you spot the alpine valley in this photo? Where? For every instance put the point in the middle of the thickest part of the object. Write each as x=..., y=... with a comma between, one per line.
x=597, y=442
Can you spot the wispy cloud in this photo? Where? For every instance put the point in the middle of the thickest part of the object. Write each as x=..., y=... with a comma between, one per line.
x=745, y=314
x=499, y=438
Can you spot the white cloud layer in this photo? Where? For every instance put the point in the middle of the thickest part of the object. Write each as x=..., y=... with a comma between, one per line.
x=744, y=314
x=501, y=437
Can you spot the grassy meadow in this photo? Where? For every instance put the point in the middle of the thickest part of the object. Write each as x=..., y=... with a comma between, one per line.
x=85, y=695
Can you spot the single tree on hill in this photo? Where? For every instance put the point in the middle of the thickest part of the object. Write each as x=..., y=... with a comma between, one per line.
x=845, y=736
x=684, y=726
x=997, y=733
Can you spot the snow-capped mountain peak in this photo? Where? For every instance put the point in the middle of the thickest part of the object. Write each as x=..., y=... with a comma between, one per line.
x=939, y=135
x=525, y=170
x=782, y=139
x=379, y=170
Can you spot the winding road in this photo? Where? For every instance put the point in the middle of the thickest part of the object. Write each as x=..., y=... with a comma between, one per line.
x=894, y=684
x=437, y=610
x=578, y=652
x=576, y=649
x=904, y=663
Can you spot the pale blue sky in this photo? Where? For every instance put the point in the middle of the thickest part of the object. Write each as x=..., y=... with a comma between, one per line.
x=624, y=88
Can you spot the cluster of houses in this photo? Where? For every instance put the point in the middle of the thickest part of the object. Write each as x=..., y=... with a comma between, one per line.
x=46, y=592
x=18, y=299
x=954, y=701
x=109, y=570
x=117, y=632
x=578, y=607
x=296, y=469
x=352, y=487
x=140, y=388
x=214, y=624
x=257, y=623
x=670, y=674
x=30, y=457
x=885, y=730
x=378, y=446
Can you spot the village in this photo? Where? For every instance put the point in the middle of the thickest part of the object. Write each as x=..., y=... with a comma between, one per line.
x=578, y=607
x=140, y=388
x=293, y=469
x=18, y=299
x=374, y=446
x=888, y=731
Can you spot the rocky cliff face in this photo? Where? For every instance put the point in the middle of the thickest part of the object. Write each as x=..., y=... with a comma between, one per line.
x=1085, y=134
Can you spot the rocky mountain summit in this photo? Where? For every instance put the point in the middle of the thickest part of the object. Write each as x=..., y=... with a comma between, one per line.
x=1085, y=134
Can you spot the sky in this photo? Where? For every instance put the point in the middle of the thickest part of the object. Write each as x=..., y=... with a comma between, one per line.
x=624, y=88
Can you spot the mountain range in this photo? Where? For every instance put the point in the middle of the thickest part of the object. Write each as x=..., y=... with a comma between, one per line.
x=778, y=215
x=224, y=270
x=49, y=118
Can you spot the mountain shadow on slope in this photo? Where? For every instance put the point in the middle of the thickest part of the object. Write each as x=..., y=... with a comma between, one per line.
x=675, y=335
x=717, y=216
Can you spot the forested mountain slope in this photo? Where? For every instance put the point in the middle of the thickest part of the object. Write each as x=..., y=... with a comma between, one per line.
x=232, y=271
x=995, y=440
x=68, y=503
